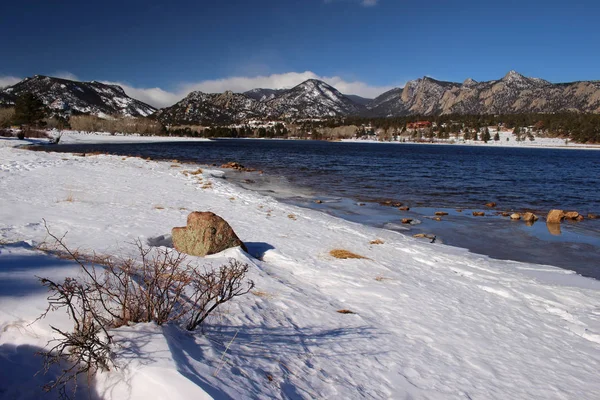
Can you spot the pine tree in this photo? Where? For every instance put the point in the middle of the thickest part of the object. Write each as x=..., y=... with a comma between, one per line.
x=29, y=110
x=496, y=136
x=486, y=135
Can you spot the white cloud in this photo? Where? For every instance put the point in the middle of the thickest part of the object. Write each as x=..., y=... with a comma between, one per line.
x=8, y=81
x=65, y=75
x=162, y=98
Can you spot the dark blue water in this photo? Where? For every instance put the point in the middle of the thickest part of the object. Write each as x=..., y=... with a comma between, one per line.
x=425, y=178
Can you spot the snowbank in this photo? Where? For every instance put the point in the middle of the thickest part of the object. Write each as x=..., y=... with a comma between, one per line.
x=430, y=321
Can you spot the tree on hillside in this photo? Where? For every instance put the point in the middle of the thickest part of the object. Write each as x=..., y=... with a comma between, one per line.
x=29, y=110
x=496, y=136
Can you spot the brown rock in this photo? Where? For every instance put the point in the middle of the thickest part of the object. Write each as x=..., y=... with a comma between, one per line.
x=437, y=219
x=515, y=216
x=490, y=204
x=555, y=216
x=459, y=210
x=579, y=218
x=592, y=216
x=529, y=217
x=205, y=233
x=441, y=213
x=571, y=215
x=404, y=208
x=406, y=220
x=423, y=236
x=318, y=201
x=478, y=213
x=505, y=214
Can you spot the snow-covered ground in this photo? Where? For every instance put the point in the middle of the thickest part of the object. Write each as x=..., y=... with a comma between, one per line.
x=430, y=321
x=77, y=137
x=538, y=142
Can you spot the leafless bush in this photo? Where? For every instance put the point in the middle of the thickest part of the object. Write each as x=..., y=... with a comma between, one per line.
x=157, y=287
x=6, y=116
x=89, y=123
x=6, y=133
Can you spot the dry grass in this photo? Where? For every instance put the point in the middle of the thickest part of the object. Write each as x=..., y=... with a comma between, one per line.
x=344, y=311
x=376, y=241
x=345, y=254
x=292, y=217
x=159, y=208
x=381, y=278
x=175, y=166
x=207, y=185
x=232, y=198
x=262, y=294
x=183, y=209
x=196, y=172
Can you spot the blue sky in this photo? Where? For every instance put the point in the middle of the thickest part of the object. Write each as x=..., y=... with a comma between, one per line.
x=160, y=51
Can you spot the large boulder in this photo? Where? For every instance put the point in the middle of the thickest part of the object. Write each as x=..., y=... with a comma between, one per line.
x=555, y=216
x=571, y=215
x=205, y=233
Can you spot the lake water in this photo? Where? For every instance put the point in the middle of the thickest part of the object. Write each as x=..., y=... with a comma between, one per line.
x=351, y=179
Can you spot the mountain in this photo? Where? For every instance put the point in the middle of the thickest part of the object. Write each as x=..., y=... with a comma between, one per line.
x=313, y=99
x=200, y=108
x=310, y=99
x=512, y=94
x=65, y=97
x=263, y=94
x=363, y=101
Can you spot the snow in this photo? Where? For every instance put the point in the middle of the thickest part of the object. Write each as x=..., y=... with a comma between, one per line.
x=77, y=137
x=538, y=142
x=431, y=321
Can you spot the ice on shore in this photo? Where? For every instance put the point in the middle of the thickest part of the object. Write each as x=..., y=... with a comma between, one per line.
x=430, y=321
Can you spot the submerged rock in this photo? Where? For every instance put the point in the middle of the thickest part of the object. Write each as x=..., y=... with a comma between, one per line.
x=530, y=217
x=206, y=233
x=555, y=216
x=441, y=213
x=571, y=215
x=515, y=216
x=490, y=204
x=478, y=213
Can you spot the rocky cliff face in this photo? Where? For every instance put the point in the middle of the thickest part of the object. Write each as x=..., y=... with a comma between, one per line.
x=512, y=94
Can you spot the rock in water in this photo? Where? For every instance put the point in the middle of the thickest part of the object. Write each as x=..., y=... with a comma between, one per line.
x=515, y=216
x=206, y=233
x=571, y=215
x=530, y=217
x=555, y=216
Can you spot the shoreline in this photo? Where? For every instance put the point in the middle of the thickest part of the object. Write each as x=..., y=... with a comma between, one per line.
x=425, y=318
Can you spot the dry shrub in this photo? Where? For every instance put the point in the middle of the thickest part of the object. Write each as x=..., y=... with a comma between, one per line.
x=196, y=172
x=344, y=311
x=376, y=241
x=175, y=166
x=29, y=132
x=292, y=217
x=158, y=287
x=90, y=123
x=381, y=278
x=6, y=116
x=345, y=254
x=6, y=133
x=159, y=208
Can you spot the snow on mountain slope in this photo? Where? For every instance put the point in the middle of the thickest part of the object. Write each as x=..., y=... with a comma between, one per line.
x=313, y=98
x=64, y=97
x=430, y=321
x=199, y=108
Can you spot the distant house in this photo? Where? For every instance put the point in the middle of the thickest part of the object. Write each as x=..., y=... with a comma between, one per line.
x=418, y=125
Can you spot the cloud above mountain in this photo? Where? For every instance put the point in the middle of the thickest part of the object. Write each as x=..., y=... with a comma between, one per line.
x=8, y=81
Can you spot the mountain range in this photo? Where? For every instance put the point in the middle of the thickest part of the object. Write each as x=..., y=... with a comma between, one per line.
x=512, y=94
x=65, y=97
